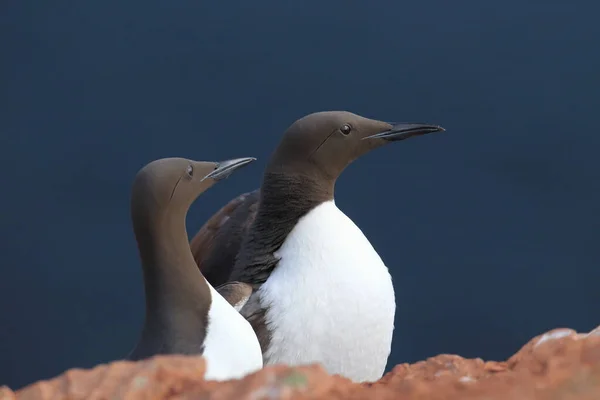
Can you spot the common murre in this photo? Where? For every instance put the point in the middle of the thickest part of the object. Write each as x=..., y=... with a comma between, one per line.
x=321, y=292
x=184, y=313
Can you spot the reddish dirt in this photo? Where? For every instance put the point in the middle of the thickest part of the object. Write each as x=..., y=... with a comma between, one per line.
x=560, y=364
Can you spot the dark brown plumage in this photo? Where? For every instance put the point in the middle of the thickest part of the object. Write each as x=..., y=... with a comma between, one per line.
x=218, y=242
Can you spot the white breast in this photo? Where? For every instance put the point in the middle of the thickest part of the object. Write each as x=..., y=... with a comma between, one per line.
x=330, y=299
x=231, y=346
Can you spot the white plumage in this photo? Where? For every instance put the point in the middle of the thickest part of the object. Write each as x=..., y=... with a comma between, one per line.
x=231, y=348
x=331, y=299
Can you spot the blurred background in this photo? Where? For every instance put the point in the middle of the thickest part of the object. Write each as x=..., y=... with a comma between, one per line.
x=490, y=229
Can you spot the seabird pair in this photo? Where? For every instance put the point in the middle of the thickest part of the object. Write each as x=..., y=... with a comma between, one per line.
x=296, y=280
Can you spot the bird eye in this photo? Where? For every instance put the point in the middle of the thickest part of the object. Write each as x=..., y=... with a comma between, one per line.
x=346, y=129
x=190, y=170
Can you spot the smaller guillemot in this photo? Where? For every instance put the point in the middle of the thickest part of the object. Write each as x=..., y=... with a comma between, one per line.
x=184, y=313
x=322, y=294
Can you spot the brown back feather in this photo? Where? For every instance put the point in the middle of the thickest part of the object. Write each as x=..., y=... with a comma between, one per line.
x=217, y=243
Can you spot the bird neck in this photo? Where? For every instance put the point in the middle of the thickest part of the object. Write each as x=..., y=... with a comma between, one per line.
x=284, y=199
x=173, y=284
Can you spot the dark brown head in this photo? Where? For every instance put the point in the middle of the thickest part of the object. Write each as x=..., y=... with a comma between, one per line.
x=172, y=184
x=327, y=142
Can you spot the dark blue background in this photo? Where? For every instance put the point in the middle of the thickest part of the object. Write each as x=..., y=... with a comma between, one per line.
x=490, y=229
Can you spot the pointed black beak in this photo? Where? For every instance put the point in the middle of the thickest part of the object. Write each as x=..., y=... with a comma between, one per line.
x=226, y=168
x=404, y=131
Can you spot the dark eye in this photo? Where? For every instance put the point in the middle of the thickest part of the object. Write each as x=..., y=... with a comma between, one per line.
x=190, y=170
x=346, y=129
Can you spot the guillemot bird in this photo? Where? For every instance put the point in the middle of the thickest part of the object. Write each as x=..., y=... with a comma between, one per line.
x=321, y=292
x=184, y=313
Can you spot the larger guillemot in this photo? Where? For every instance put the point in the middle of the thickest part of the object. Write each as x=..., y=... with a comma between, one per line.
x=321, y=292
x=184, y=313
